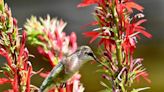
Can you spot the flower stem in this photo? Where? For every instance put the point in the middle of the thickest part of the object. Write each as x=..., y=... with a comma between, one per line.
x=119, y=53
x=2, y=5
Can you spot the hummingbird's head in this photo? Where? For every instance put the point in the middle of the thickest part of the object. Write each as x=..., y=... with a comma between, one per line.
x=85, y=54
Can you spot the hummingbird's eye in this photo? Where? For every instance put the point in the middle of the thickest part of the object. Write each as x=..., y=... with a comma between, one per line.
x=86, y=53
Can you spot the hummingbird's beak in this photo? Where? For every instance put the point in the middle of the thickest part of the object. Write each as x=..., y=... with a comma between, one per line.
x=94, y=57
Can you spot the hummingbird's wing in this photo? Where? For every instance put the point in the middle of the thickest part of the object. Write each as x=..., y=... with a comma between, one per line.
x=53, y=77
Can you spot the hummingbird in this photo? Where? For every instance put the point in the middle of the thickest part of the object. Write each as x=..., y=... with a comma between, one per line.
x=67, y=67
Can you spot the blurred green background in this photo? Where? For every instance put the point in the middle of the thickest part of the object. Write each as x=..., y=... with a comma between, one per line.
x=152, y=50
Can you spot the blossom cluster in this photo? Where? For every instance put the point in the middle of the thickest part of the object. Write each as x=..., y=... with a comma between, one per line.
x=18, y=70
x=48, y=36
x=118, y=29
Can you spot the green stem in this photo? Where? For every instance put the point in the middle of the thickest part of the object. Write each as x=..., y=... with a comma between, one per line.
x=122, y=88
x=119, y=53
x=117, y=35
x=118, y=40
x=2, y=5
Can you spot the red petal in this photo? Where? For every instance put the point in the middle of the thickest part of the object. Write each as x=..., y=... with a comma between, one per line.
x=44, y=75
x=15, y=83
x=148, y=35
x=140, y=22
x=10, y=90
x=94, y=38
x=73, y=42
x=87, y=3
x=144, y=75
x=90, y=24
x=101, y=41
x=131, y=5
x=23, y=38
x=90, y=33
x=6, y=55
x=62, y=90
x=29, y=78
x=69, y=88
x=73, y=37
x=140, y=27
x=15, y=21
x=129, y=9
x=4, y=80
x=58, y=38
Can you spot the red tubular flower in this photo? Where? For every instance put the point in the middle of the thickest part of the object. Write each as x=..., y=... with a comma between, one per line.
x=6, y=55
x=73, y=40
x=15, y=83
x=4, y=80
x=131, y=5
x=87, y=3
x=144, y=75
x=118, y=31
x=93, y=34
x=29, y=77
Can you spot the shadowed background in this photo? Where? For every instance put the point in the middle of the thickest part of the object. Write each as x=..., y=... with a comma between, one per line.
x=150, y=49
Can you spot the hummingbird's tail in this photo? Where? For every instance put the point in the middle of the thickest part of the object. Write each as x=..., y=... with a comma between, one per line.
x=44, y=85
x=51, y=77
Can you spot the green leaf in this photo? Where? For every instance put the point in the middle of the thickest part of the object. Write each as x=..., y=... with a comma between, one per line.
x=140, y=89
x=105, y=85
x=12, y=49
x=134, y=90
x=106, y=90
x=6, y=68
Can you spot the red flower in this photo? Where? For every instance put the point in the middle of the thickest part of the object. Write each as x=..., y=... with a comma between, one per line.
x=4, y=80
x=87, y=3
x=129, y=45
x=93, y=34
x=6, y=55
x=141, y=29
x=73, y=40
x=132, y=31
x=118, y=31
x=131, y=5
x=143, y=74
